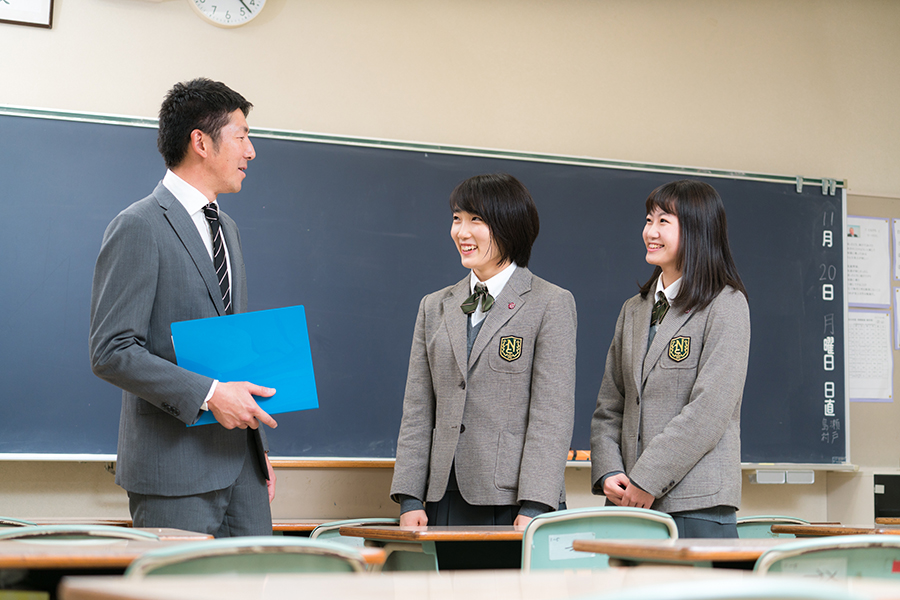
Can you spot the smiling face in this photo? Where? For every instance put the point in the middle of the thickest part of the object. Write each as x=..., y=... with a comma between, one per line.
x=477, y=249
x=662, y=238
x=228, y=157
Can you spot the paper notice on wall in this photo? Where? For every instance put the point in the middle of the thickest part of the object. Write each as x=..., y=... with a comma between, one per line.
x=868, y=265
x=870, y=360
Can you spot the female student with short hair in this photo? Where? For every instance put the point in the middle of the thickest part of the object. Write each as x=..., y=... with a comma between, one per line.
x=666, y=430
x=489, y=404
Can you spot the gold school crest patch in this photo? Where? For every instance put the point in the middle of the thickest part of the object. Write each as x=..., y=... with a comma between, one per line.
x=679, y=348
x=510, y=348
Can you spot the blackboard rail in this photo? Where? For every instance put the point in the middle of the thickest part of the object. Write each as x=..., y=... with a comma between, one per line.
x=388, y=463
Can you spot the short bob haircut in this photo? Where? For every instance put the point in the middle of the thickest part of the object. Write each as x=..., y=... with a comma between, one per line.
x=506, y=207
x=704, y=255
x=197, y=104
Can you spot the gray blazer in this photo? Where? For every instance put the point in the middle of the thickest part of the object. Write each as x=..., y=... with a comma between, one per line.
x=153, y=269
x=670, y=419
x=506, y=414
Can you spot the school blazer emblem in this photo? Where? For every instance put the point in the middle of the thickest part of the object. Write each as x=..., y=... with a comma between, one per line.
x=510, y=348
x=679, y=348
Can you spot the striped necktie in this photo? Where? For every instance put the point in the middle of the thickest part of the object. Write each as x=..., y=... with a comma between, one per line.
x=211, y=211
x=659, y=310
x=480, y=295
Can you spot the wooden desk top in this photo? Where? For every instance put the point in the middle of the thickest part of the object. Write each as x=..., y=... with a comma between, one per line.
x=820, y=530
x=290, y=524
x=887, y=520
x=164, y=533
x=298, y=525
x=74, y=554
x=80, y=521
x=453, y=585
x=682, y=550
x=394, y=533
x=99, y=553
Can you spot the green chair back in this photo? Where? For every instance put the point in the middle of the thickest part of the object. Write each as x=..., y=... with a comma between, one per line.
x=760, y=526
x=10, y=522
x=547, y=541
x=875, y=555
x=249, y=556
x=330, y=531
x=400, y=556
x=75, y=532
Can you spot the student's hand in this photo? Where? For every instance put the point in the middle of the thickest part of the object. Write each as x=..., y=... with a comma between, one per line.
x=521, y=521
x=232, y=405
x=270, y=482
x=614, y=487
x=635, y=496
x=413, y=518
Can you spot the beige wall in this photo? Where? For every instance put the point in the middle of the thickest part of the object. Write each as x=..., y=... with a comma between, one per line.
x=788, y=87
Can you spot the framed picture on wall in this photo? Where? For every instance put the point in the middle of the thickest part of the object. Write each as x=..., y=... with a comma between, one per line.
x=35, y=13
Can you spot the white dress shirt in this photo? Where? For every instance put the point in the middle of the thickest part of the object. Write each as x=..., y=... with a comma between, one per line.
x=494, y=285
x=193, y=201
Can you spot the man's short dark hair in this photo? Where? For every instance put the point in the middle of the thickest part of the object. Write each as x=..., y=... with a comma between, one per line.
x=506, y=207
x=197, y=104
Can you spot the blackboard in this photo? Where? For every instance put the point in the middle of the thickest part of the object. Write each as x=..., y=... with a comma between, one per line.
x=357, y=231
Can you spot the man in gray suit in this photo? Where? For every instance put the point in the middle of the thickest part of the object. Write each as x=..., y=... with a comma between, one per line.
x=157, y=266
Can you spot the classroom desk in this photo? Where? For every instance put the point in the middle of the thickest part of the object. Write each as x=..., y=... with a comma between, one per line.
x=43, y=563
x=740, y=553
x=822, y=530
x=75, y=554
x=290, y=526
x=297, y=526
x=485, y=547
x=395, y=533
x=456, y=585
x=164, y=533
x=99, y=553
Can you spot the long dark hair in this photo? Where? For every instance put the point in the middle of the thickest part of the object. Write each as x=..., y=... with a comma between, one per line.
x=704, y=255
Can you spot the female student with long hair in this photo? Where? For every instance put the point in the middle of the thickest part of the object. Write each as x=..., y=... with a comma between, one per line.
x=666, y=430
x=489, y=404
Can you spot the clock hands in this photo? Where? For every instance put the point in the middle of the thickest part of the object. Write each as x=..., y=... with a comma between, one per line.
x=245, y=6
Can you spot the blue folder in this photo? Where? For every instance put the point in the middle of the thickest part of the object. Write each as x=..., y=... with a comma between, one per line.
x=267, y=347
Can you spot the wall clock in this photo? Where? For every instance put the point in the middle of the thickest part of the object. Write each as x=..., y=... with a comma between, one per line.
x=37, y=13
x=227, y=13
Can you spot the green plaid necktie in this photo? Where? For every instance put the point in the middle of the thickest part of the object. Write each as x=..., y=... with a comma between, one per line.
x=659, y=310
x=481, y=294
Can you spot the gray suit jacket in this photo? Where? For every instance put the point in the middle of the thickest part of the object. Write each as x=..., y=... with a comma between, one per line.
x=153, y=269
x=670, y=419
x=506, y=414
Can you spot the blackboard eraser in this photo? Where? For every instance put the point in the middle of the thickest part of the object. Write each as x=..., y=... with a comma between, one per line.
x=761, y=476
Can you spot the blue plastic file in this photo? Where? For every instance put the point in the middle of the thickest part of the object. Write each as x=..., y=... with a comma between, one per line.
x=267, y=347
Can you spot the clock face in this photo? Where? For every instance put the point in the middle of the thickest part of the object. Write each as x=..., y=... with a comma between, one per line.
x=228, y=13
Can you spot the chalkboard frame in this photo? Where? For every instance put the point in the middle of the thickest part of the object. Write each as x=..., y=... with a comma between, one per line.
x=827, y=186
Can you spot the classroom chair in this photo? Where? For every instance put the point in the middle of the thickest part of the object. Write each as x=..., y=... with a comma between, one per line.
x=760, y=526
x=749, y=588
x=400, y=557
x=10, y=522
x=253, y=555
x=75, y=532
x=547, y=541
x=330, y=531
x=843, y=556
